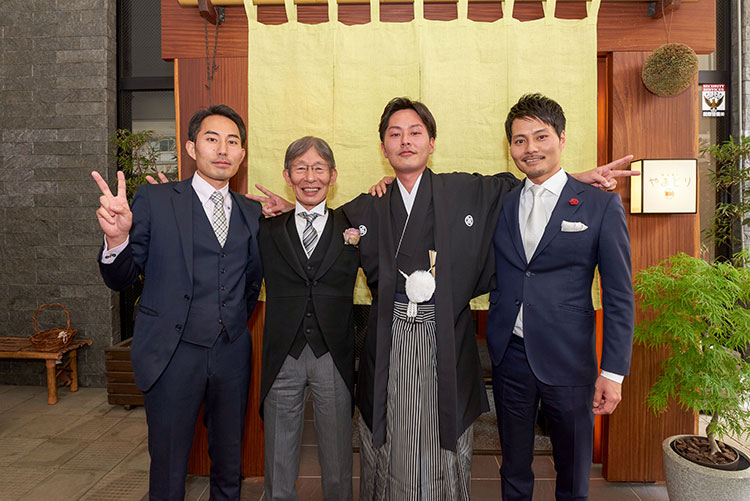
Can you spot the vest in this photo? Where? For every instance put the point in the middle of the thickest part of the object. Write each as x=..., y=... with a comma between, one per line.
x=309, y=331
x=218, y=278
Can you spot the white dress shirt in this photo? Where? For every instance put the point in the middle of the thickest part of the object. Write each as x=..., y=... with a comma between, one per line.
x=319, y=224
x=204, y=192
x=550, y=195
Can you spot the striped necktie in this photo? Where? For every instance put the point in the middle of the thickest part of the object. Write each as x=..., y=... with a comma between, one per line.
x=219, y=219
x=309, y=235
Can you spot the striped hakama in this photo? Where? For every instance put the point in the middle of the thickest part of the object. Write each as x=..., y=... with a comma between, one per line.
x=410, y=465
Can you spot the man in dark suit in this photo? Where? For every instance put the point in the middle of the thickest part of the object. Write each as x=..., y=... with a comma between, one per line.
x=308, y=340
x=552, y=233
x=195, y=243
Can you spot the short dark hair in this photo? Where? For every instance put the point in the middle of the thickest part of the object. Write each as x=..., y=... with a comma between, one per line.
x=300, y=147
x=404, y=103
x=217, y=109
x=536, y=106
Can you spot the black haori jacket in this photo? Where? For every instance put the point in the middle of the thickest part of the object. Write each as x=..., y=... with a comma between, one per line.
x=466, y=209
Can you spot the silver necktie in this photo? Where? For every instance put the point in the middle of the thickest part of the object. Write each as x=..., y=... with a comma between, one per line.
x=309, y=235
x=535, y=223
x=219, y=219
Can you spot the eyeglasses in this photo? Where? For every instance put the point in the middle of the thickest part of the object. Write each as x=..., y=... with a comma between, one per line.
x=316, y=168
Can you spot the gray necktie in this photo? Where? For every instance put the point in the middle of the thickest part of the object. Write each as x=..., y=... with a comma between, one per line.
x=219, y=219
x=309, y=235
x=535, y=223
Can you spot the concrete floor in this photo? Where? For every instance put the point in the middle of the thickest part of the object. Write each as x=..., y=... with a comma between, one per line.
x=84, y=448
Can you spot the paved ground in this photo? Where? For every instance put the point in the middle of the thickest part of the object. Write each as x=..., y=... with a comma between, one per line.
x=84, y=448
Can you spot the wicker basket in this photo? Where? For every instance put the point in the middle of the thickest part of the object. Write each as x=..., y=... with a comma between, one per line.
x=52, y=339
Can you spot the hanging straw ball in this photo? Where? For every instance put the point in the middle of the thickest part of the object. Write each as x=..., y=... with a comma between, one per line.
x=670, y=69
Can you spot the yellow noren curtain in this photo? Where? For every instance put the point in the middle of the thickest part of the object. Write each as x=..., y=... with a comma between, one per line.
x=331, y=80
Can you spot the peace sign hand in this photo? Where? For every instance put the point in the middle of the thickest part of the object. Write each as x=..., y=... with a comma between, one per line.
x=273, y=204
x=113, y=213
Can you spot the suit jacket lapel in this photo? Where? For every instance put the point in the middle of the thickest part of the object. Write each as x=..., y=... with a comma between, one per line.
x=284, y=243
x=244, y=207
x=510, y=213
x=336, y=245
x=564, y=211
x=182, y=203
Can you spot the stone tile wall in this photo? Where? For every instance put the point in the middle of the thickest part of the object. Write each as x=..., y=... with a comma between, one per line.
x=57, y=109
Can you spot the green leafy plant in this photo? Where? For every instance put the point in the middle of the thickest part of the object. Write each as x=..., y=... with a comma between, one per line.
x=700, y=314
x=732, y=176
x=136, y=156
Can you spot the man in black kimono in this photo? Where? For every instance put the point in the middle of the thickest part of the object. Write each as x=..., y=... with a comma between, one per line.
x=416, y=440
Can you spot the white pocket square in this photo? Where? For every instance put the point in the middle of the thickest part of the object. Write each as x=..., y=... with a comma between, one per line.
x=573, y=226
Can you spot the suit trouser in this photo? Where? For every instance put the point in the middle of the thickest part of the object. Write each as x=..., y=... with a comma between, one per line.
x=567, y=410
x=283, y=419
x=218, y=376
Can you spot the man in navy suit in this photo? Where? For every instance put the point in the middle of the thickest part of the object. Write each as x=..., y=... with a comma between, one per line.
x=195, y=243
x=552, y=233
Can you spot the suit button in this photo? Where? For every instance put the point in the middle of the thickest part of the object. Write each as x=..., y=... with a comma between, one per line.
x=178, y=327
x=315, y=283
x=221, y=321
x=308, y=331
x=528, y=273
x=222, y=287
x=187, y=298
x=223, y=254
x=518, y=303
x=223, y=305
x=223, y=270
x=309, y=267
x=308, y=314
x=307, y=283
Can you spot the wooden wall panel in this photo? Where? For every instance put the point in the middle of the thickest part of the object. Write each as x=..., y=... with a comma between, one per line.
x=648, y=126
x=623, y=26
x=229, y=87
x=252, y=443
x=183, y=32
x=252, y=447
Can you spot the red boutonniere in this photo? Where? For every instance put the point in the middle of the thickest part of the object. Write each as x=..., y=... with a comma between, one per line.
x=573, y=201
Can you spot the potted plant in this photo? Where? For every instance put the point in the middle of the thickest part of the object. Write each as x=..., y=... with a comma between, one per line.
x=137, y=156
x=698, y=310
x=701, y=317
x=731, y=178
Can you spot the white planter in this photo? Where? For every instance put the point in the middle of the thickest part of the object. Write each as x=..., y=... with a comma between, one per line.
x=687, y=481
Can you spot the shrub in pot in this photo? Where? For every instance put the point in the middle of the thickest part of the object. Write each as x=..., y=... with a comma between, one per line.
x=700, y=314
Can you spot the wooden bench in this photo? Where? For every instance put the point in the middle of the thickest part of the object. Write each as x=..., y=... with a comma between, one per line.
x=67, y=372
